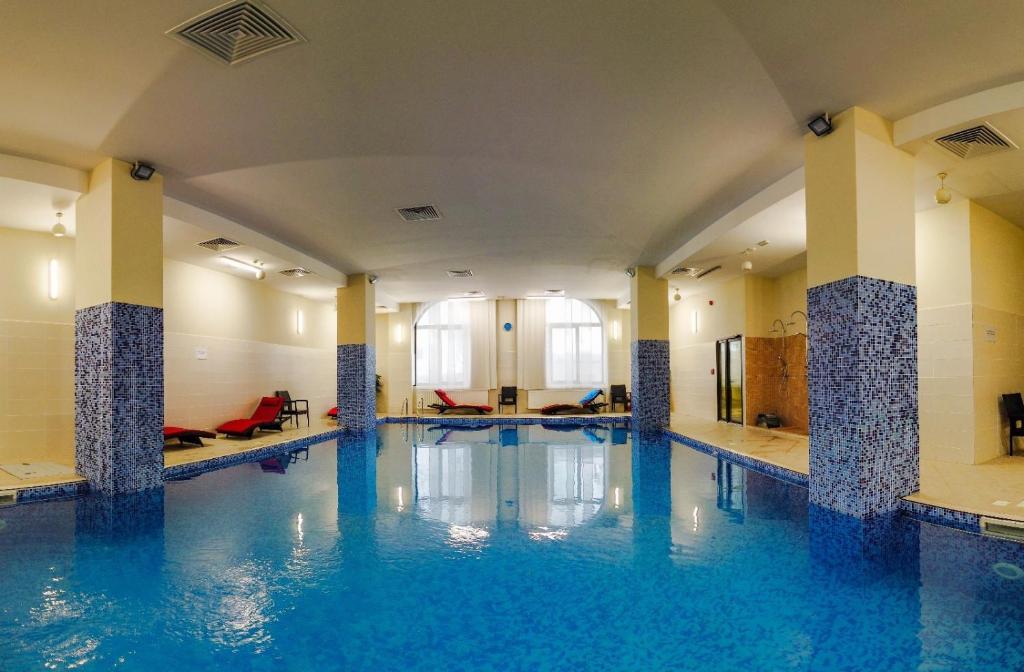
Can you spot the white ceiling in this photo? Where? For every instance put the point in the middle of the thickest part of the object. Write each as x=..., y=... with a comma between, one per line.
x=34, y=207
x=563, y=141
x=783, y=224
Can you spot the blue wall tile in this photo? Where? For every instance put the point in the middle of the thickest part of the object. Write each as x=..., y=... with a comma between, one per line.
x=119, y=397
x=862, y=380
x=650, y=384
x=357, y=386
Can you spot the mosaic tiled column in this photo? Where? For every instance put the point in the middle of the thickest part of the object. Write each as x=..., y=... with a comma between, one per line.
x=862, y=379
x=862, y=318
x=119, y=332
x=357, y=396
x=119, y=396
x=357, y=357
x=649, y=376
x=649, y=351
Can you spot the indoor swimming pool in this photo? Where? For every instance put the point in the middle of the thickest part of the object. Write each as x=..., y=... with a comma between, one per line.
x=496, y=548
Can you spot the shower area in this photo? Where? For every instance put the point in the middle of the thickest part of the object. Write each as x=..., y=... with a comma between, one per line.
x=776, y=376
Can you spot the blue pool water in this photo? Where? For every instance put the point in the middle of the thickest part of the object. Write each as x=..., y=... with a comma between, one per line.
x=496, y=549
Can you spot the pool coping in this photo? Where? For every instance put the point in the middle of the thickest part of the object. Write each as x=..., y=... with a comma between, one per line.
x=967, y=521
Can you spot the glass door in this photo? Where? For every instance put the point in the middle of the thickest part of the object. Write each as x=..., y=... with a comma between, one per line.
x=729, y=353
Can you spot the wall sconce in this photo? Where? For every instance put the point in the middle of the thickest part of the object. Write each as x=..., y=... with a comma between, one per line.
x=616, y=330
x=397, y=333
x=300, y=322
x=694, y=321
x=54, y=277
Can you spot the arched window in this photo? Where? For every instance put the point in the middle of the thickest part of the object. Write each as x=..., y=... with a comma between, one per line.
x=575, y=345
x=442, y=345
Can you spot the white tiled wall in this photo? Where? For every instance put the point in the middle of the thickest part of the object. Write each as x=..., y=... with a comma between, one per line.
x=37, y=391
x=693, y=384
x=946, y=389
x=228, y=384
x=998, y=370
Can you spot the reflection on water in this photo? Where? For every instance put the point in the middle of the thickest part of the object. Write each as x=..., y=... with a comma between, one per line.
x=554, y=548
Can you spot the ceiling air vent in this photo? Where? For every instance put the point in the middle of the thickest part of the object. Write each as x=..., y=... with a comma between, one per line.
x=419, y=213
x=686, y=270
x=708, y=272
x=219, y=244
x=465, y=273
x=968, y=143
x=297, y=272
x=237, y=31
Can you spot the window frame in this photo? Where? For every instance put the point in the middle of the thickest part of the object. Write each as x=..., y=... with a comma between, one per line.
x=577, y=328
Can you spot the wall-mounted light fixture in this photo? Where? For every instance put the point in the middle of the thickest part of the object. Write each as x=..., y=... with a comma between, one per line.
x=54, y=279
x=616, y=330
x=300, y=322
x=694, y=321
x=397, y=333
x=256, y=267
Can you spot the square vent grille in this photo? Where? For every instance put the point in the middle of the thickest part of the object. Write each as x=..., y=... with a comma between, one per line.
x=218, y=244
x=297, y=272
x=419, y=213
x=237, y=31
x=466, y=273
x=968, y=143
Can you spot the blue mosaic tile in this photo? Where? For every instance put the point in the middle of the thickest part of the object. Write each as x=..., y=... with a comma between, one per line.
x=41, y=493
x=357, y=386
x=650, y=389
x=122, y=516
x=357, y=472
x=862, y=381
x=119, y=396
x=940, y=515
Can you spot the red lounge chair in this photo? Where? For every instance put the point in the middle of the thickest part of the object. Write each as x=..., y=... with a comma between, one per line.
x=266, y=416
x=190, y=437
x=448, y=404
x=333, y=413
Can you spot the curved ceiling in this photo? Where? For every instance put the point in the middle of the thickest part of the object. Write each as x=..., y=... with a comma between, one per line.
x=562, y=141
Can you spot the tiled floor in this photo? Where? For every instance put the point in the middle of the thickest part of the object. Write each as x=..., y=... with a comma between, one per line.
x=776, y=447
x=994, y=488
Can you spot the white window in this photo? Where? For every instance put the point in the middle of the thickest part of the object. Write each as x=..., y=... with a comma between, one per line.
x=575, y=345
x=442, y=346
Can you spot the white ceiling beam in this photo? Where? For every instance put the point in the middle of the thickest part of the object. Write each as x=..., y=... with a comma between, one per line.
x=787, y=186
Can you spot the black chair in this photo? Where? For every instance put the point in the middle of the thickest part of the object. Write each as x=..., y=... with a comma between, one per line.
x=509, y=397
x=618, y=396
x=1014, y=406
x=293, y=408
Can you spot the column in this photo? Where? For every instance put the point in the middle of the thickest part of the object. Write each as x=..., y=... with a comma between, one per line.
x=649, y=351
x=862, y=317
x=357, y=357
x=119, y=331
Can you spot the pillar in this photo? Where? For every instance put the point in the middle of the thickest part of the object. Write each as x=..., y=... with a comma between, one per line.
x=862, y=318
x=119, y=331
x=649, y=350
x=357, y=357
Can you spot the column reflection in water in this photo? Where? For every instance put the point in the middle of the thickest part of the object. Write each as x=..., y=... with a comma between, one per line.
x=357, y=472
x=652, y=500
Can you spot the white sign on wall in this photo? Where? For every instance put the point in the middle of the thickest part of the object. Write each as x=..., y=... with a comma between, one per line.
x=201, y=353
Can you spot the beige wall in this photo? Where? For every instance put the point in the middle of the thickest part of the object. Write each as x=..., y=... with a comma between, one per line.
x=997, y=289
x=248, y=332
x=970, y=329
x=692, y=356
x=37, y=348
x=394, y=358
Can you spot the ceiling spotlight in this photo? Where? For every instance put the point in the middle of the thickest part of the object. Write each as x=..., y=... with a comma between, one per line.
x=943, y=195
x=142, y=171
x=631, y=272
x=820, y=125
x=748, y=266
x=58, y=229
x=372, y=279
